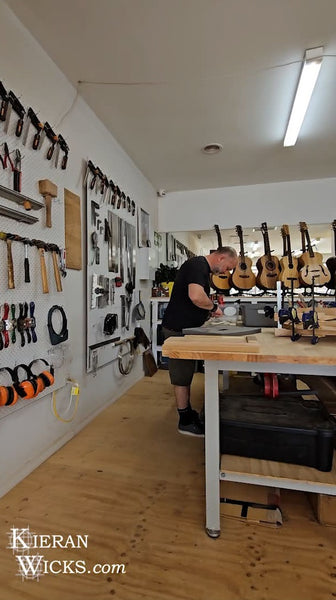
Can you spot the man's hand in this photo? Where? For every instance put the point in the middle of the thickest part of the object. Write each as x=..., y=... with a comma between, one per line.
x=216, y=313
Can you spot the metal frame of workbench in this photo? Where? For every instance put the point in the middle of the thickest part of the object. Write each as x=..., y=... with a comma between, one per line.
x=213, y=472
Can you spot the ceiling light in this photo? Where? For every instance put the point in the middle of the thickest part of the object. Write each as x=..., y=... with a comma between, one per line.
x=308, y=77
x=212, y=148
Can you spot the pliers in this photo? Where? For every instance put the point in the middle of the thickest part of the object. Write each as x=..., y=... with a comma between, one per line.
x=6, y=158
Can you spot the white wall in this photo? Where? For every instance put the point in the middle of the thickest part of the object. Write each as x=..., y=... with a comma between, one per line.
x=289, y=202
x=30, y=435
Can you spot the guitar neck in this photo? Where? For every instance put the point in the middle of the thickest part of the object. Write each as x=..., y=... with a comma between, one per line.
x=219, y=237
x=309, y=246
x=267, y=244
x=289, y=252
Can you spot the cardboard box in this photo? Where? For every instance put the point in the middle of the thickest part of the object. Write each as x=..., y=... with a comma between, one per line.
x=324, y=507
x=254, y=503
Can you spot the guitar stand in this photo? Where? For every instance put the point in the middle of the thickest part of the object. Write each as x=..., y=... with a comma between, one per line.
x=293, y=316
x=315, y=338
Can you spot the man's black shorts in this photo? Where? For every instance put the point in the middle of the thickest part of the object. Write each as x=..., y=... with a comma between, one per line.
x=181, y=371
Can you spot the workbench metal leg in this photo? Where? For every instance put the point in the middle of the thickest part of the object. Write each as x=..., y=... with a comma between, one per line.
x=212, y=457
x=226, y=377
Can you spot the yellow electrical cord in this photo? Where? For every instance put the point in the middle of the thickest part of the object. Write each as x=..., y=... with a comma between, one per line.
x=74, y=392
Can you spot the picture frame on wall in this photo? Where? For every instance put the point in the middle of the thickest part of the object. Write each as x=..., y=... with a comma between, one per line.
x=143, y=229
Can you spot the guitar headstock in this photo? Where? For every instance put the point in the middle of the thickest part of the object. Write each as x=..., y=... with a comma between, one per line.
x=263, y=228
x=303, y=226
x=333, y=224
x=284, y=231
x=239, y=230
x=219, y=237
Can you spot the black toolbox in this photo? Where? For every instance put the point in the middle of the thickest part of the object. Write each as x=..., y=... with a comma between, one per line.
x=291, y=430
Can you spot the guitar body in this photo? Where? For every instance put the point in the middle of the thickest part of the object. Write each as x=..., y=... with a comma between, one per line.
x=243, y=277
x=268, y=272
x=313, y=268
x=221, y=283
x=331, y=264
x=289, y=272
x=313, y=271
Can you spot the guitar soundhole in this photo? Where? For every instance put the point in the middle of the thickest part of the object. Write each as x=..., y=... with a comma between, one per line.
x=243, y=266
x=270, y=266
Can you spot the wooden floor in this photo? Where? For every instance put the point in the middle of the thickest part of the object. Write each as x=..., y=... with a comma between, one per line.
x=136, y=487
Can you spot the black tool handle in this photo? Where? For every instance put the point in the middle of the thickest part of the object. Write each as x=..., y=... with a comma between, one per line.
x=50, y=152
x=31, y=312
x=64, y=162
x=17, y=180
x=19, y=127
x=25, y=315
x=26, y=270
x=13, y=337
x=36, y=140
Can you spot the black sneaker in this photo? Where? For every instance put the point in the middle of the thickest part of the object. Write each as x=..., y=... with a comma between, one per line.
x=195, y=428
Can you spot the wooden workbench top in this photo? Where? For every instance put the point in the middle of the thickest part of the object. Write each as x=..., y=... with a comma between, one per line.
x=261, y=347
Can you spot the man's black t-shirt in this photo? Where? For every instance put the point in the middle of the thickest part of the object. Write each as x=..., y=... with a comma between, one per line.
x=181, y=312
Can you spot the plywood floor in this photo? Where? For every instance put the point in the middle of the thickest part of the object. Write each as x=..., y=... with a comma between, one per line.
x=136, y=487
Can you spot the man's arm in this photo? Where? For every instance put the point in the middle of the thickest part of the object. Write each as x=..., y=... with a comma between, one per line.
x=198, y=297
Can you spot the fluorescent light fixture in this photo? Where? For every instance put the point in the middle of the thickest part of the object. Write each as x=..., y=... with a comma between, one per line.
x=309, y=74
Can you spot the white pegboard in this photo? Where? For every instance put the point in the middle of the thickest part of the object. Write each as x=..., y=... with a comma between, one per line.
x=96, y=316
x=35, y=166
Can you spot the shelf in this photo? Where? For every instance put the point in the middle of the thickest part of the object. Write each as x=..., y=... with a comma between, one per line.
x=17, y=215
x=9, y=194
x=272, y=473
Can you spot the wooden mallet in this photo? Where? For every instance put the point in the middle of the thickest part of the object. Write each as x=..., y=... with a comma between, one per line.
x=48, y=190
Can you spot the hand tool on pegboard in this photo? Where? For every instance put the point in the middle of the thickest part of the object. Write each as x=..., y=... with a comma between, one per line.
x=15, y=104
x=52, y=137
x=32, y=321
x=4, y=102
x=26, y=243
x=65, y=149
x=42, y=247
x=55, y=254
x=8, y=237
x=14, y=324
x=48, y=190
x=26, y=321
x=6, y=324
x=21, y=324
x=32, y=119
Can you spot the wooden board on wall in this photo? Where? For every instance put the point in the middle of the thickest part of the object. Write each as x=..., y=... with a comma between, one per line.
x=73, y=230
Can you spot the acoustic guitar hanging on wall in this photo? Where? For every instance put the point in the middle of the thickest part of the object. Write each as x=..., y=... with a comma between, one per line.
x=220, y=283
x=313, y=271
x=242, y=277
x=289, y=264
x=268, y=265
x=331, y=262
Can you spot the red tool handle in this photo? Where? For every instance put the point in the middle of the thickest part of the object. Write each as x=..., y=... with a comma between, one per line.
x=5, y=317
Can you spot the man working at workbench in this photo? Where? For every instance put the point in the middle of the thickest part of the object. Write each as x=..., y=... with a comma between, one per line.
x=190, y=306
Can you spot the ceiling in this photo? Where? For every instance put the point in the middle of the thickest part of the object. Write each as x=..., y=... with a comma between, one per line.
x=180, y=74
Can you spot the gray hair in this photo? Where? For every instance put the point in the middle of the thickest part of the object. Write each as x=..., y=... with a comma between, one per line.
x=231, y=252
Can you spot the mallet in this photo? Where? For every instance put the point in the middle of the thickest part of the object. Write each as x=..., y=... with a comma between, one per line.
x=48, y=190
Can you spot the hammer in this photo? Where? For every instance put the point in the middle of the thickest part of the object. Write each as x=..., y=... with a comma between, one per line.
x=7, y=237
x=41, y=248
x=54, y=252
x=48, y=190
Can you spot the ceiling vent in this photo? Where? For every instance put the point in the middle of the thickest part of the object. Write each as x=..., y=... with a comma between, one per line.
x=212, y=148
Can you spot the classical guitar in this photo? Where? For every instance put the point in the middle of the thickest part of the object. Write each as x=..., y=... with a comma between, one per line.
x=242, y=277
x=220, y=283
x=331, y=263
x=268, y=266
x=289, y=264
x=313, y=272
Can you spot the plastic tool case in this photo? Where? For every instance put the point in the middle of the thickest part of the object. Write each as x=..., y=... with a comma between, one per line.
x=294, y=431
